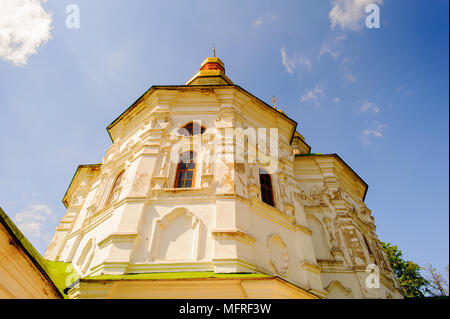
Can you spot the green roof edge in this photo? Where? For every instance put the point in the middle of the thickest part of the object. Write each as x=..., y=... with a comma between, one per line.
x=59, y=274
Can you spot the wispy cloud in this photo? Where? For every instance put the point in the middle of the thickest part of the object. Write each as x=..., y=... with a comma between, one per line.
x=293, y=62
x=287, y=62
x=24, y=27
x=313, y=95
x=370, y=133
x=326, y=49
x=32, y=221
x=367, y=106
x=349, y=14
x=330, y=47
x=346, y=72
x=264, y=19
x=336, y=100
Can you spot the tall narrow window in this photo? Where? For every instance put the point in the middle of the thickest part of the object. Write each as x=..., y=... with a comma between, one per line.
x=115, y=189
x=185, y=171
x=266, y=187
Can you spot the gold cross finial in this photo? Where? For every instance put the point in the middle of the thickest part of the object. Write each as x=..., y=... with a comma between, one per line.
x=214, y=50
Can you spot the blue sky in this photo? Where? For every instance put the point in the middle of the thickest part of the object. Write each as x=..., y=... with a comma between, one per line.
x=377, y=97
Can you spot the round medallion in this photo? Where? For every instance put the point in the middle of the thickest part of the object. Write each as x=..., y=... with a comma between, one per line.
x=279, y=257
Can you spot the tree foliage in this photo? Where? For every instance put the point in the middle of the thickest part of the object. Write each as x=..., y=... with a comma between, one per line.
x=411, y=282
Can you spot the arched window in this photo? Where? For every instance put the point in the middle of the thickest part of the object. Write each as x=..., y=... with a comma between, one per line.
x=185, y=170
x=191, y=129
x=266, y=187
x=115, y=189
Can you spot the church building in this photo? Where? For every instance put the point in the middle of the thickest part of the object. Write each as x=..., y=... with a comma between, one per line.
x=209, y=192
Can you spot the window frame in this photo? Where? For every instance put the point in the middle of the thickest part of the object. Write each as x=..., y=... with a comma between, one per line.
x=266, y=189
x=185, y=170
x=115, y=188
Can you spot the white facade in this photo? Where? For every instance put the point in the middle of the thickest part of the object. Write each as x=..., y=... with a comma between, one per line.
x=313, y=237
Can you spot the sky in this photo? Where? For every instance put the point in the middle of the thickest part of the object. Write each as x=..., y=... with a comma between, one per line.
x=378, y=97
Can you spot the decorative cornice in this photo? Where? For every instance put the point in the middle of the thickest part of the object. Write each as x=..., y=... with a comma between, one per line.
x=118, y=237
x=234, y=234
x=311, y=267
x=277, y=216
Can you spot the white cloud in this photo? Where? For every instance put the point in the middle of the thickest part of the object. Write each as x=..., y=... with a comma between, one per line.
x=265, y=19
x=32, y=220
x=349, y=14
x=327, y=49
x=336, y=100
x=313, y=95
x=348, y=74
x=291, y=63
x=24, y=27
x=367, y=106
x=258, y=22
x=306, y=62
x=373, y=132
x=287, y=62
x=329, y=46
